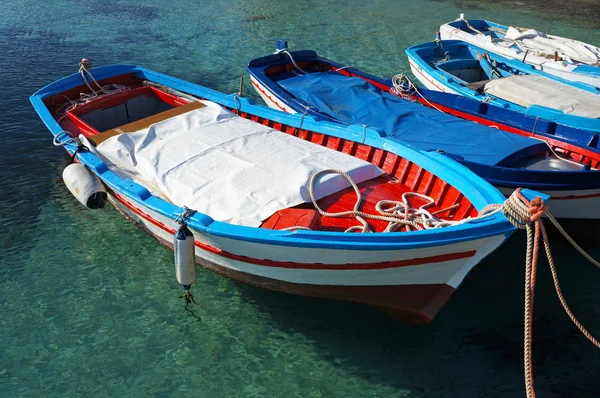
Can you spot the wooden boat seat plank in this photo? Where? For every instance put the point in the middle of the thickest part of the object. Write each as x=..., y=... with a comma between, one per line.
x=145, y=122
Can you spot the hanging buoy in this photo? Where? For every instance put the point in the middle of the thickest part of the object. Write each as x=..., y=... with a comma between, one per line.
x=185, y=258
x=85, y=186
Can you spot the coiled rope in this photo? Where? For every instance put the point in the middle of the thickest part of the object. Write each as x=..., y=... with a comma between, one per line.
x=404, y=85
x=398, y=214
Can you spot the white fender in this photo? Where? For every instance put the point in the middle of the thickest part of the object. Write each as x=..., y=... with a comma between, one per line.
x=85, y=186
x=185, y=258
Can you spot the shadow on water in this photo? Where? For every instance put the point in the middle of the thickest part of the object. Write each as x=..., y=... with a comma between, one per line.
x=27, y=155
x=119, y=10
x=477, y=336
x=583, y=12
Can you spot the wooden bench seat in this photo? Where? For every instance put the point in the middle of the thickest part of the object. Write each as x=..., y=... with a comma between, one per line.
x=145, y=122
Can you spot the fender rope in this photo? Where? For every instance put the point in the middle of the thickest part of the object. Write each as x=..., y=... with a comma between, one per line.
x=188, y=299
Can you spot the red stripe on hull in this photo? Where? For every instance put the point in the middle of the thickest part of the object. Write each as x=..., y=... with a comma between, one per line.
x=572, y=197
x=417, y=304
x=257, y=87
x=417, y=69
x=289, y=264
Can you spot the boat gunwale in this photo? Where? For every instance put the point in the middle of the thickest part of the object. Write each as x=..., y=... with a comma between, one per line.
x=450, y=82
x=478, y=23
x=454, y=174
x=494, y=174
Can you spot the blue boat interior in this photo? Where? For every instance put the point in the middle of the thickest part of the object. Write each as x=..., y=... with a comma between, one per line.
x=355, y=101
x=469, y=64
x=495, y=31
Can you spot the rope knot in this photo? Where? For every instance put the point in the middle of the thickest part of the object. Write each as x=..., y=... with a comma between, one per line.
x=537, y=208
x=520, y=211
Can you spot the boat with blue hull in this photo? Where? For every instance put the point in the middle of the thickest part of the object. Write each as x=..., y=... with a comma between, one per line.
x=567, y=58
x=305, y=83
x=158, y=144
x=461, y=68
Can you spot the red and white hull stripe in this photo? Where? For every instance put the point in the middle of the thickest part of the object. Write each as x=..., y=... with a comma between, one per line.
x=583, y=204
x=270, y=99
x=427, y=80
x=412, y=283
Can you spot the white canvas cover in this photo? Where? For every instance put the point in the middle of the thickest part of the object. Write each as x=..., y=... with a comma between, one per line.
x=230, y=168
x=546, y=45
x=527, y=90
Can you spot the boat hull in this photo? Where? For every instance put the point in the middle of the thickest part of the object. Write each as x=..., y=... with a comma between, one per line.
x=562, y=69
x=428, y=71
x=571, y=206
x=414, y=286
x=410, y=273
x=428, y=81
x=578, y=211
x=270, y=98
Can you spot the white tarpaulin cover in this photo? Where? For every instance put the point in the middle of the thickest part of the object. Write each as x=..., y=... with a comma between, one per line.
x=546, y=45
x=527, y=90
x=230, y=168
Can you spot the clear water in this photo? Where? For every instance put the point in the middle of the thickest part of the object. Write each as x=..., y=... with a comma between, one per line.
x=88, y=303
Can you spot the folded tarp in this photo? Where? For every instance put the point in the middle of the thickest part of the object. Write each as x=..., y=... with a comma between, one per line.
x=230, y=168
x=527, y=90
x=547, y=45
x=355, y=101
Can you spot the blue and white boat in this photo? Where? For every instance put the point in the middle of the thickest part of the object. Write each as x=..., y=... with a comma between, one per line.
x=153, y=144
x=304, y=83
x=461, y=68
x=569, y=59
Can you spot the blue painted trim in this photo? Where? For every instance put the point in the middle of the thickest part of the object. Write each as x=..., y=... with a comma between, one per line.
x=424, y=55
x=477, y=190
x=497, y=175
x=484, y=25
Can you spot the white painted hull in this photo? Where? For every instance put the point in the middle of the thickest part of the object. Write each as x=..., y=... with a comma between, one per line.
x=428, y=81
x=332, y=273
x=582, y=205
x=269, y=97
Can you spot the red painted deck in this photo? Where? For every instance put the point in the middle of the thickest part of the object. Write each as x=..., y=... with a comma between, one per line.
x=372, y=192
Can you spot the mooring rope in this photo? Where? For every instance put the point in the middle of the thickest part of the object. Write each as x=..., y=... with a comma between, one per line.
x=525, y=214
x=404, y=85
x=286, y=52
x=84, y=70
x=517, y=209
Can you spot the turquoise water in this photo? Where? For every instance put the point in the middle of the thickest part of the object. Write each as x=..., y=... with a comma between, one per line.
x=89, y=303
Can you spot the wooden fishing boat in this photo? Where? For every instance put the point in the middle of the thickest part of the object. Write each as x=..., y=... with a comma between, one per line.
x=528, y=152
x=158, y=144
x=567, y=58
x=461, y=68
